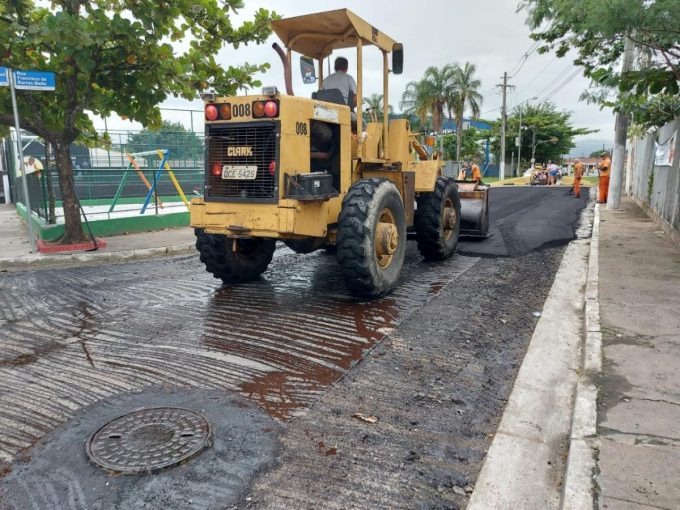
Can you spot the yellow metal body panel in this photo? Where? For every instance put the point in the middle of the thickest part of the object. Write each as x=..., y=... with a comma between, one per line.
x=426, y=173
x=317, y=35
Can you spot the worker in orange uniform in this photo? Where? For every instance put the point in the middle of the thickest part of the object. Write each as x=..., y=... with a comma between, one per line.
x=476, y=173
x=604, y=166
x=578, y=175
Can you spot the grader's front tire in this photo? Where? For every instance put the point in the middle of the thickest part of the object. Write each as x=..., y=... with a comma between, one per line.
x=437, y=220
x=234, y=260
x=371, y=241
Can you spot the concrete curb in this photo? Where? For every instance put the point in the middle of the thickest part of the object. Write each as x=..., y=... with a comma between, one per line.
x=579, y=483
x=525, y=464
x=28, y=261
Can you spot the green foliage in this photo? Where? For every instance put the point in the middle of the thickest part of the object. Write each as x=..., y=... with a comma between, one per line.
x=598, y=30
x=117, y=56
x=374, y=102
x=470, y=144
x=173, y=136
x=429, y=95
x=554, y=132
x=123, y=56
x=451, y=89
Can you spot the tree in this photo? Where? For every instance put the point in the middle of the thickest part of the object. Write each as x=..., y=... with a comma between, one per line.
x=173, y=136
x=464, y=94
x=429, y=95
x=375, y=103
x=554, y=133
x=117, y=56
x=469, y=147
x=598, y=30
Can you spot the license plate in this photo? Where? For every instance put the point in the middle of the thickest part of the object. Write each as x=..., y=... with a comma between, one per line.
x=239, y=172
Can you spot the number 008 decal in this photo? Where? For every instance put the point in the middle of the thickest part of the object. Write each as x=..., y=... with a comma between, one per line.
x=240, y=110
x=301, y=128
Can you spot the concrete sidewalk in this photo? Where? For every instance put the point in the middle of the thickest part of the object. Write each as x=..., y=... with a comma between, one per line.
x=15, y=248
x=638, y=414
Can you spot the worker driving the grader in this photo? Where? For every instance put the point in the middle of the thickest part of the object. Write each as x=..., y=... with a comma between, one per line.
x=292, y=168
x=342, y=81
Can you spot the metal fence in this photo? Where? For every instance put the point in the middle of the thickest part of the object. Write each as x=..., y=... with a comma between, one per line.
x=138, y=173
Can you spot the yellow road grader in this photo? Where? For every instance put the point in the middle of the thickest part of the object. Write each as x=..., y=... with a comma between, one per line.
x=309, y=171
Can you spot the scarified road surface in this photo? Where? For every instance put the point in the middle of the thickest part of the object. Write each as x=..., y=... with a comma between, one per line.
x=78, y=345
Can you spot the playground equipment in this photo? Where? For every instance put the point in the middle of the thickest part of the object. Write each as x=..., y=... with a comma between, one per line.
x=163, y=155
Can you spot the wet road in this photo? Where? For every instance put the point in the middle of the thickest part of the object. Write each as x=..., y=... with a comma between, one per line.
x=71, y=338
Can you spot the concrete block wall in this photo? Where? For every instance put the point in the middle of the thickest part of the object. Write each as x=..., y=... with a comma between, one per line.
x=657, y=187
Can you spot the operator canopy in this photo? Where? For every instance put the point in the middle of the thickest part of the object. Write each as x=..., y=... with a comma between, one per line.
x=317, y=35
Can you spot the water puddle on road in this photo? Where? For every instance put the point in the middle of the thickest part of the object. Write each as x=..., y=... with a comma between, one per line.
x=307, y=330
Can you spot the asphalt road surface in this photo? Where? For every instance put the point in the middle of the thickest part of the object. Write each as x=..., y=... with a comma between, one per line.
x=281, y=368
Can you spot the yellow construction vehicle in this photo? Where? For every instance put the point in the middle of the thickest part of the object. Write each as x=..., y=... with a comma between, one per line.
x=309, y=171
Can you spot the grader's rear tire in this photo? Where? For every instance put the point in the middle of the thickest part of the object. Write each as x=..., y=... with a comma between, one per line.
x=371, y=240
x=437, y=220
x=234, y=260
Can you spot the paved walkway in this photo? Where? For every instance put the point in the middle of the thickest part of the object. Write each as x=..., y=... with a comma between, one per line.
x=639, y=400
x=15, y=249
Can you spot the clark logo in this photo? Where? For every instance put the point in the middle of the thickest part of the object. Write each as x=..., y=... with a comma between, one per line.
x=239, y=151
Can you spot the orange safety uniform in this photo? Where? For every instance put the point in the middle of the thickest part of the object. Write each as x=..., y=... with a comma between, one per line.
x=476, y=173
x=578, y=175
x=605, y=167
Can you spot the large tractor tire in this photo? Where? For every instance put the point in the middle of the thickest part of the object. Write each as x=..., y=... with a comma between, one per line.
x=234, y=260
x=437, y=220
x=371, y=240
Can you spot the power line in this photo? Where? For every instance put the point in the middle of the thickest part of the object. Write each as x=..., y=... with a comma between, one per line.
x=552, y=82
x=523, y=59
x=562, y=85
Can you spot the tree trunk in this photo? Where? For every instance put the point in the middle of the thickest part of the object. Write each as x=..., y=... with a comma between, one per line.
x=51, y=197
x=459, y=136
x=73, y=228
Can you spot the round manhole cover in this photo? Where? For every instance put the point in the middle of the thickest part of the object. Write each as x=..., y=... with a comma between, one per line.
x=149, y=439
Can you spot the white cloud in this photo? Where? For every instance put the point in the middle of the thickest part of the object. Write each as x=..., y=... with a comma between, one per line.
x=487, y=33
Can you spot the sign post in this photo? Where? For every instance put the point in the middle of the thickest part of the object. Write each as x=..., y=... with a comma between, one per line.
x=25, y=80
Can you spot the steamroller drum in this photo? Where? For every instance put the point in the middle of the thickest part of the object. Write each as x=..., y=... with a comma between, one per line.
x=234, y=260
x=438, y=220
x=371, y=240
x=475, y=216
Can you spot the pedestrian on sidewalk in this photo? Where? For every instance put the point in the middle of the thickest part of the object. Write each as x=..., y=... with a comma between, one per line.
x=552, y=173
x=603, y=167
x=578, y=175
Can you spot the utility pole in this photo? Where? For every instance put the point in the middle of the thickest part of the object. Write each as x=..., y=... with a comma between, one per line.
x=504, y=86
x=519, y=144
x=620, y=135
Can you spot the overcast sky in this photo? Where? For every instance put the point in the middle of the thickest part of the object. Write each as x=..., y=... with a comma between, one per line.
x=487, y=33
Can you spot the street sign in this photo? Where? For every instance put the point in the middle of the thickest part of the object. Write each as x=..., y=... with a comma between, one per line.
x=34, y=80
x=4, y=77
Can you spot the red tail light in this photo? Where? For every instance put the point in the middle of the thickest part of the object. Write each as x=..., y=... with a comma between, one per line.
x=216, y=169
x=271, y=109
x=211, y=112
x=272, y=168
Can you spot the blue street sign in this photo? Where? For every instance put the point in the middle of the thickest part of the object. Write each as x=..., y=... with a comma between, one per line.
x=34, y=80
x=4, y=77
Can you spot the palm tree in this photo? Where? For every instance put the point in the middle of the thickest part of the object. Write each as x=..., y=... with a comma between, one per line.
x=429, y=95
x=464, y=93
x=375, y=103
